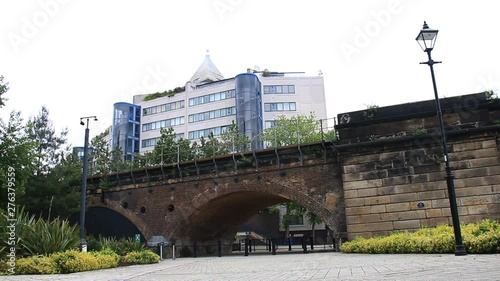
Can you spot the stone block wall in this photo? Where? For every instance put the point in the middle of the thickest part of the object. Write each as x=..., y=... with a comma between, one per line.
x=388, y=191
x=397, y=182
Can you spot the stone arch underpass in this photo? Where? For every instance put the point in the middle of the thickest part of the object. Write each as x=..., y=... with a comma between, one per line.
x=208, y=208
x=384, y=174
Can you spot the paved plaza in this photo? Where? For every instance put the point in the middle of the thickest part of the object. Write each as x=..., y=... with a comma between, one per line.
x=298, y=266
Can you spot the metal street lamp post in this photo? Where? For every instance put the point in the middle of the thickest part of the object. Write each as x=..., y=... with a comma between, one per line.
x=426, y=39
x=83, y=243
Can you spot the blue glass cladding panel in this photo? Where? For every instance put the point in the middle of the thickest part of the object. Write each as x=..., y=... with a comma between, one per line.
x=125, y=130
x=249, y=108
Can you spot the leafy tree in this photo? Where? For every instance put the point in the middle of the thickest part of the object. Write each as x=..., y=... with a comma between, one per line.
x=313, y=220
x=165, y=150
x=101, y=154
x=16, y=152
x=210, y=146
x=55, y=194
x=52, y=186
x=117, y=163
x=4, y=87
x=293, y=213
x=293, y=130
x=232, y=141
x=49, y=151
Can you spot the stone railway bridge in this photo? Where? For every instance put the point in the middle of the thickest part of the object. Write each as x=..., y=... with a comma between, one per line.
x=385, y=173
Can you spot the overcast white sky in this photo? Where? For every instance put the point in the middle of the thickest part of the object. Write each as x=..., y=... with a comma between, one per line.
x=79, y=57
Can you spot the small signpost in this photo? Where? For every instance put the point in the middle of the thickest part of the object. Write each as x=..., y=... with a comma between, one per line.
x=138, y=238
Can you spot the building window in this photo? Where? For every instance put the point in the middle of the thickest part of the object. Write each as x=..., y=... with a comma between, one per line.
x=211, y=114
x=154, y=141
x=270, y=124
x=216, y=131
x=163, y=108
x=212, y=97
x=280, y=106
x=163, y=123
x=279, y=89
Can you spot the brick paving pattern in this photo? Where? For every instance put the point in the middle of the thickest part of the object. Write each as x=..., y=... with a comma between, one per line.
x=311, y=266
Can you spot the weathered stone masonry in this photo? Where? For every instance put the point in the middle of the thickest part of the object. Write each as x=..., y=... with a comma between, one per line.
x=394, y=180
x=386, y=173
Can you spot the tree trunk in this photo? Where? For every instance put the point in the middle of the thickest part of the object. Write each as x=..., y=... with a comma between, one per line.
x=313, y=229
x=287, y=232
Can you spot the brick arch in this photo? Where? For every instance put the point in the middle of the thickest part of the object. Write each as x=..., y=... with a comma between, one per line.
x=128, y=214
x=287, y=192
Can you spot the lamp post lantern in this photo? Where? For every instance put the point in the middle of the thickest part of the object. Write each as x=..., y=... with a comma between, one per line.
x=426, y=39
x=83, y=243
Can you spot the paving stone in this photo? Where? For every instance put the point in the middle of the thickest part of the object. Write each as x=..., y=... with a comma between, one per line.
x=311, y=266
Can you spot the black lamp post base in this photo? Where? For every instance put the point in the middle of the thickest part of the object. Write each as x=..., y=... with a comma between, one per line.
x=83, y=246
x=460, y=250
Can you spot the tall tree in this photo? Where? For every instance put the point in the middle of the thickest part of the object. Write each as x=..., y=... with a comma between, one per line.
x=16, y=156
x=165, y=150
x=232, y=141
x=101, y=154
x=49, y=146
x=313, y=220
x=294, y=212
x=4, y=87
x=53, y=174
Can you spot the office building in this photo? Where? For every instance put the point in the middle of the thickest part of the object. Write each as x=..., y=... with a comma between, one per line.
x=211, y=103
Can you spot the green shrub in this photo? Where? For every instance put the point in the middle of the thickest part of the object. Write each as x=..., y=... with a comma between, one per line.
x=107, y=258
x=142, y=257
x=46, y=237
x=482, y=237
x=64, y=262
x=120, y=246
x=127, y=245
x=75, y=261
x=36, y=265
x=38, y=236
x=23, y=220
x=169, y=93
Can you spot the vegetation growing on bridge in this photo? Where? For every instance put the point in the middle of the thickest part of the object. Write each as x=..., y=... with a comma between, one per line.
x=478, y=238
x=169, y=149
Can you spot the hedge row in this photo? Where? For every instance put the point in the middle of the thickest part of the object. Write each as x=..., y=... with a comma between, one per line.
x=478, y=238
x=75, y=261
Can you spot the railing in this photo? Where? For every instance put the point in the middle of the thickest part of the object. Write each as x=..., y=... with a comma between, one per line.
x=247, y=247
x=180, y=151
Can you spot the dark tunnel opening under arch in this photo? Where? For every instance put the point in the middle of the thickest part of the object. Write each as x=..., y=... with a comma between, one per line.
x=224, y=216
x=108, y=223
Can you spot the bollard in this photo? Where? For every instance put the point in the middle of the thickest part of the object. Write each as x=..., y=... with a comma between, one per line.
x=340, y=244
x=246, y=247
x=273, y=245
x=304, y=245
x=312, y=244
x=250, y=245
x=219, y=248
x=269, y=243
x=289, y=242
x=173, y=251
x=195, y=250
x=160, y=245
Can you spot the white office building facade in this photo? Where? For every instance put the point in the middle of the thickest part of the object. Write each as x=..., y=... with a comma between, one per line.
x=211, y=103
